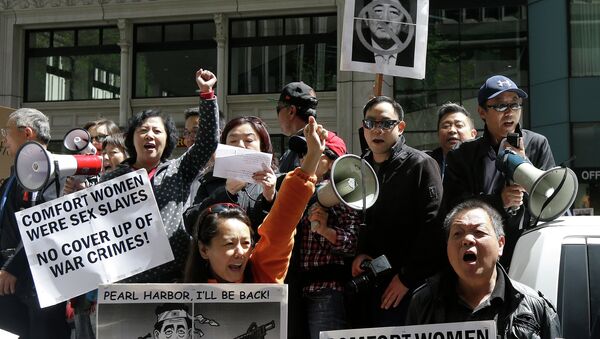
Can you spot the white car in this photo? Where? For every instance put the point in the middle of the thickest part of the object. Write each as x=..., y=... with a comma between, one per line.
x=561, y=259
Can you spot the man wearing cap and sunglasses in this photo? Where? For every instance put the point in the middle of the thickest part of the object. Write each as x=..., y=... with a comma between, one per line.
x=296, y=103
x=403, y=223
x=471, y=168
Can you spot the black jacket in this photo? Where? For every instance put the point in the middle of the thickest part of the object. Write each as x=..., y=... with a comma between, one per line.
x=465, y=178
x=212, y=190
x=524, y=312
x=438, y=155
x=10, y=237
x=403, y=224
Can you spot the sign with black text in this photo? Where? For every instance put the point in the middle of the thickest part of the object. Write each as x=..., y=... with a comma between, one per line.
x=462, y=330
x=240, y=311
x=99, y=235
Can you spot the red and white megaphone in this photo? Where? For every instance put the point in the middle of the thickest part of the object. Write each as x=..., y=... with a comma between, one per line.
x=79, y=140
x=34, y=165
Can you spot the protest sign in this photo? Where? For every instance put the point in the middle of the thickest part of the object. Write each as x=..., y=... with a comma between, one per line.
x=194, y=310
x=5, y=160
x=239, y=163
x=386, y=37
x=99, y=235
x=7, y=335
x=462, y=330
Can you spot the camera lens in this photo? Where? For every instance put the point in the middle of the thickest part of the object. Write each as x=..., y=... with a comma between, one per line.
x=357, y=283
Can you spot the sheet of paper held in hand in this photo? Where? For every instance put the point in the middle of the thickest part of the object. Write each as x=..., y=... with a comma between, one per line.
x=239, y=163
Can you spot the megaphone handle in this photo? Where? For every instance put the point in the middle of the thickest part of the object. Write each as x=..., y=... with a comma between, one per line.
x=56, y=179
x=363, y=188
x=512, y=210
x=314, y=225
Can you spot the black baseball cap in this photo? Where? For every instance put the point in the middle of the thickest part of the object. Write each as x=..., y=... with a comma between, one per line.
x=298, y=94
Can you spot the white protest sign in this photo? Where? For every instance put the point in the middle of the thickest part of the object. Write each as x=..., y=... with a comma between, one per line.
x=462, y=330
x=99, y=235
x=385, y=36
x=239, y=163
x=7, y=335
x=214, y=310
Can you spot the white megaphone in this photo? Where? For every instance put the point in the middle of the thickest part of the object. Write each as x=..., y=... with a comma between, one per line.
x=34, y=165
x=353, y=182
x=79, y=140
x=551, y=192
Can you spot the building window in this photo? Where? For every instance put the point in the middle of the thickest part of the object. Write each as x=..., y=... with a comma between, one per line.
x=585, y=136
x=62, y=64
x=267, y=53
x=465, y=47
x=585, y=35
x=167, y=57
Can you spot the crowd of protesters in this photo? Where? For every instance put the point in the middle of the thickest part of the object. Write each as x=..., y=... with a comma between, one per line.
x=443, y=219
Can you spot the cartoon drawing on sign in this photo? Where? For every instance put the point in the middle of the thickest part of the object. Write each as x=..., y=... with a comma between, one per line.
x=257, y=332
x=174, y=321
x=384, y=33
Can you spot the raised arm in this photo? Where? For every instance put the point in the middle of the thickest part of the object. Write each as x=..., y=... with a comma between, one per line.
x=207, y=136
x=270, y=259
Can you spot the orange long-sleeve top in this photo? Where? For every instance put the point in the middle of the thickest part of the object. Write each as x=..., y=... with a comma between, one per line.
x=271, y=256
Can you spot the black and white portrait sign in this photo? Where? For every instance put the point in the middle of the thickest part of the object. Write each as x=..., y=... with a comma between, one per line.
x=385, y=36
x=192, y=311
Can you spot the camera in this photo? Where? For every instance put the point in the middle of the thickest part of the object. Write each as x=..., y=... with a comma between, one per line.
x=373, y=270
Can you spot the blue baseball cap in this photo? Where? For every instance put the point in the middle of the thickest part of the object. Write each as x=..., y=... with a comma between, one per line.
x=496, y=85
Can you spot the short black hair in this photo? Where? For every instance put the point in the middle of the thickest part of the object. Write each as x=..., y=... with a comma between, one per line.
x=191, y=112
x=137, y=120
x=382, y=98
x=452, y=107
x=471, y=204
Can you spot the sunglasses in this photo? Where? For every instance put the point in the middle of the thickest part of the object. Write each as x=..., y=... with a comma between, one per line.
x=99, y=138
x=515, y=106
x=221, y=208
x=383, y=124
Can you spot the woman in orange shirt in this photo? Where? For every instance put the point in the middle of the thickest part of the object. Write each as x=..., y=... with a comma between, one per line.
x=222, y=249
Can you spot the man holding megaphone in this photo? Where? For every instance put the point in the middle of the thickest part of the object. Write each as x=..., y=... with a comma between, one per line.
x=20, y=312
x=326, y=236
x=471, y=168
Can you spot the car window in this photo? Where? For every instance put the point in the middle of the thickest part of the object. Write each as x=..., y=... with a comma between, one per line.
x=573, y=290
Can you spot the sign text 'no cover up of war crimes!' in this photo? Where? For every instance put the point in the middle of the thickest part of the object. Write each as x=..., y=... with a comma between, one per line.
x=98, y=235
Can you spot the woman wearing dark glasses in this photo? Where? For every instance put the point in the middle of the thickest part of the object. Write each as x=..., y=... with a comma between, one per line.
x=150, y=138
x=222, y=249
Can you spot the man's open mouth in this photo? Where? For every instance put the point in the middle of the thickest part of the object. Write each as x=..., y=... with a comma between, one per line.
x=469, y=257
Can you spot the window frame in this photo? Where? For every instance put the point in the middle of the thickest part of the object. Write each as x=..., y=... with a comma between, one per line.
x=44, y=52
x=163, y=45
x=278, y=40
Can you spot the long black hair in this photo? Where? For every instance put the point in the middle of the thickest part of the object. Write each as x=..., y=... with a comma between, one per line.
x=197, y=269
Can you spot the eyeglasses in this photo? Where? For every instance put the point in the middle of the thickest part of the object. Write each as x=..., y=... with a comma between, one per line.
x=383, y=124
x=515, y=106
x=99, y=138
